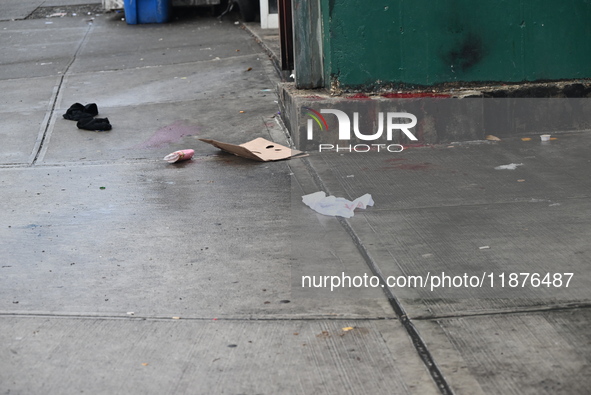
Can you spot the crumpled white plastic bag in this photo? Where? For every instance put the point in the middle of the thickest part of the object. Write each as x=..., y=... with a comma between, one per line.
x=336, y=206
x=511, y=166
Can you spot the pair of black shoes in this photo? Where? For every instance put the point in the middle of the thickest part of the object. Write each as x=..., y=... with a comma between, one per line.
x=85, y=117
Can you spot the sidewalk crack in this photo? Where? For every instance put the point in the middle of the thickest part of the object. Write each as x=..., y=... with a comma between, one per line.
x=405, y=320
x=41, y=144
x=516, y=311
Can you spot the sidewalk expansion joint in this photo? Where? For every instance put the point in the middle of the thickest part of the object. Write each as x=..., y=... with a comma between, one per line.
x=164, y=66
x=517, y=311
x=104, y=162
x=484, y=204
x=41, y=141
x=139, y=317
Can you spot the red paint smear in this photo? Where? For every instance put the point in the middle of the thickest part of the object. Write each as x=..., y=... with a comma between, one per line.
x=408, y=166
x=359, y=96
x=417, y=166
x=169, y=134
x=416, y=145
x=414, y=95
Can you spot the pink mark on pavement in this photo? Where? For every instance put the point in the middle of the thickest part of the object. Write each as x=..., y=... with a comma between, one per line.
x=417, y=145
x=406, y=166
x=414, y=166
x=169, y=134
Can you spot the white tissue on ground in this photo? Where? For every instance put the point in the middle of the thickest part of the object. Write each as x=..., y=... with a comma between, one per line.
x=336, y=206
x=511, y=166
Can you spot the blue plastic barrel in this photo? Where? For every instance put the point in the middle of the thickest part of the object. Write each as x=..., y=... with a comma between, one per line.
x=146, y=11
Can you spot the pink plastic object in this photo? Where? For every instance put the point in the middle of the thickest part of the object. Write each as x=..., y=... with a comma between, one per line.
x=179, y=156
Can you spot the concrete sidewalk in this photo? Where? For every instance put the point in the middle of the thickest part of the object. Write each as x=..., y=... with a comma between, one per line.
x=122, y=274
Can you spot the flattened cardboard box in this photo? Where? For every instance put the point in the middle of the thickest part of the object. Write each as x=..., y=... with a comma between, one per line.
x=258, y=149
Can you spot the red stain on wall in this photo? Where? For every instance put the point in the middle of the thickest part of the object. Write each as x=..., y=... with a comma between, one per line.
x=359, y=96
x=417, y=95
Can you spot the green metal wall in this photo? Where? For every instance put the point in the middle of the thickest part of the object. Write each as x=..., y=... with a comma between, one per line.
x=370, y=44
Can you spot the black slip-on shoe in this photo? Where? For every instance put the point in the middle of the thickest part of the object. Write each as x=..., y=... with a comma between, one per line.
x=97, y=124
x=91, y=109
x=77, y=111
